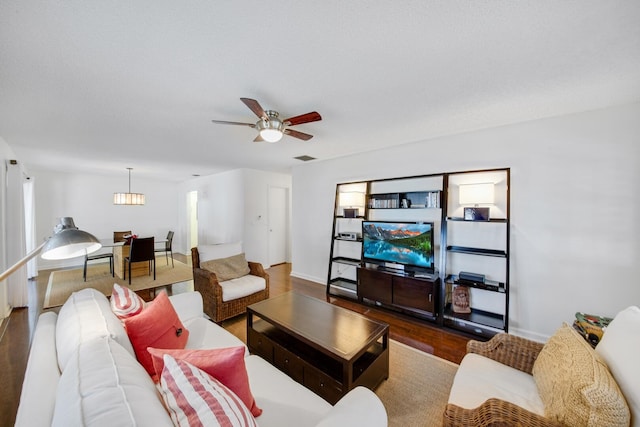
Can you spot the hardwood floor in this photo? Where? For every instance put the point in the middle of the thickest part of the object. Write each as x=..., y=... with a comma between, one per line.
x=16, y=331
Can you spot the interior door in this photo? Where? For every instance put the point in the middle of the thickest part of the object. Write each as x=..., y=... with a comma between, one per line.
x=278, y=225
x=192, y=218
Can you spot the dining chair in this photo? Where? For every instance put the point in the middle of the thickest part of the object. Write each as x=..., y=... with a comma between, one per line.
x=118, y=236
x=93, y=257
x=142, y=249
x=167, y=248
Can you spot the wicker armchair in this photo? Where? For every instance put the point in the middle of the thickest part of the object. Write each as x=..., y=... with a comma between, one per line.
x=206, y=282
x=510, y=350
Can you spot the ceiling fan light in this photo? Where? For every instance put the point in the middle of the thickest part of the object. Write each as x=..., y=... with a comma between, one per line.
x=271, y=135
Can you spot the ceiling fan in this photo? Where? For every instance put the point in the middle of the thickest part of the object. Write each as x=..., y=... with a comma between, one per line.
x=270, y=127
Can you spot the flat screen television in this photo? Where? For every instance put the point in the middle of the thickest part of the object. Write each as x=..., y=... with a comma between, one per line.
x=406, y=244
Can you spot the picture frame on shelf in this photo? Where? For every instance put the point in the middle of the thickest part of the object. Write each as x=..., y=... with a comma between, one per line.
x=476, y=214
x=350, y=212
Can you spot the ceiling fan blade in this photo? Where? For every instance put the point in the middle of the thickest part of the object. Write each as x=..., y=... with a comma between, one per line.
x=258, y=139
x=299, y=135
x=224, y=122
x=255, y=107
x=303, y=118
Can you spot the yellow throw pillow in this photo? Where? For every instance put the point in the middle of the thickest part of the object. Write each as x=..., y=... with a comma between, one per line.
x=575, y=385
x=227, y=268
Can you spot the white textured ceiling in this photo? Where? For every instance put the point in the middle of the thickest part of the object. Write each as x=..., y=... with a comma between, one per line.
x=104, y=85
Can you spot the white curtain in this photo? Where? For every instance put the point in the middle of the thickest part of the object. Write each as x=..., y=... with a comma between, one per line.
x=15, y=232
x=30, y=225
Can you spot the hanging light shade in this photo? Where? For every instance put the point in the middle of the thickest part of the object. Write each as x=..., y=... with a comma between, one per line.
x=128, y=198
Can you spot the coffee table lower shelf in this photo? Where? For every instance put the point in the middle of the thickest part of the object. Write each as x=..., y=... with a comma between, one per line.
x=326, y=376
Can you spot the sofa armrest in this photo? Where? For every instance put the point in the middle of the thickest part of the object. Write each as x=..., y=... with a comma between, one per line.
x=517, y=352
x=494, y=412
x=188, y=305
x=38, y=397
x=359, y=407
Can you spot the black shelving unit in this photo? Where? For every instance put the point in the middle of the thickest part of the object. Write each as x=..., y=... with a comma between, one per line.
x=480, y=321
x=343, y=261
x=434, y=199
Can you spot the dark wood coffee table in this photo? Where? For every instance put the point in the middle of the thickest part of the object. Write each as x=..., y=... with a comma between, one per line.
x=328, y=349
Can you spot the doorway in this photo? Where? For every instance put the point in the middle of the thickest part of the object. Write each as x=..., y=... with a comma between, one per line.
x=192, y=220
x=278, y=225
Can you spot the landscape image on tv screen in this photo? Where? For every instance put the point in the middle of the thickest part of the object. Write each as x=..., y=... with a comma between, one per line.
x=401, y=243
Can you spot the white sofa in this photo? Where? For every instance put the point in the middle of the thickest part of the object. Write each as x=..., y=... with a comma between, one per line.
x=82, y=371
x=510, y=380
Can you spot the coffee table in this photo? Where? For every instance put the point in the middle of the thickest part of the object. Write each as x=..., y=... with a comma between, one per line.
x=328, y=349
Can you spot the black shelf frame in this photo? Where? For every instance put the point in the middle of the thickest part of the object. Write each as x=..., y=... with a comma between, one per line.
x=347, y=261
x=478, y=251
x=488, y=285
x=457, y=218
x=479, y=317
x=489, y=323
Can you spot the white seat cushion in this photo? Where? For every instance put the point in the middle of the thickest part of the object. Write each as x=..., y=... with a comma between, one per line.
x=204, y=334
x=188, y=305
x=284, y=402
x=619, y=348
x=480, y=378
x=242, y=287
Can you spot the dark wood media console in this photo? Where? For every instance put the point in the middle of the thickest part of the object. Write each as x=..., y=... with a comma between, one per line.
x=328, y=349
x=400, y=291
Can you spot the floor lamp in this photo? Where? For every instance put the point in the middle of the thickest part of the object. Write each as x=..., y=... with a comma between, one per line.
x=66, y=242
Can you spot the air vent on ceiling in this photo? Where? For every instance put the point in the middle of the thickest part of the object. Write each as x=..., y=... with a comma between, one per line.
x=305, y=158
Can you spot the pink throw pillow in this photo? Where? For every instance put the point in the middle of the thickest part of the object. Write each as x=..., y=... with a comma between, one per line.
x=157, y=326
x=125, y=303
x=224, y=364
x=195, y=398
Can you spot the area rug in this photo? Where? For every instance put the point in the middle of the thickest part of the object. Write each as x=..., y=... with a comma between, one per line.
x=417, y=390
x=63, y=283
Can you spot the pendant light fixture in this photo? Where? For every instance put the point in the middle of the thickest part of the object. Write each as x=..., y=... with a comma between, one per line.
x=128, y=198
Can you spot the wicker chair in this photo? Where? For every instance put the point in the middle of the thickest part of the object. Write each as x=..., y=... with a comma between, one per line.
x=206, y=282
x=519, y=353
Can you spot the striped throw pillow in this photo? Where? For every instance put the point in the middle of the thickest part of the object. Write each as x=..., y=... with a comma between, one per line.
x=194, y=398
x=125, y=303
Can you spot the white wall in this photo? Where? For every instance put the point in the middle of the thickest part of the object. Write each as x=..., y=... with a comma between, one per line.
x=88, y=199
x=233, y=206
x=575, y=189
x=256, y=212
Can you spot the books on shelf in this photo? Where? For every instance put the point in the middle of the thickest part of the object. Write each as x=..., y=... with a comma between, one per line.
x=416, y=200
x=433, y=199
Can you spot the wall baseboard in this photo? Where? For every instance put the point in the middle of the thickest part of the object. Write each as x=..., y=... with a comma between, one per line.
x=307, y=277
x=533, y=336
